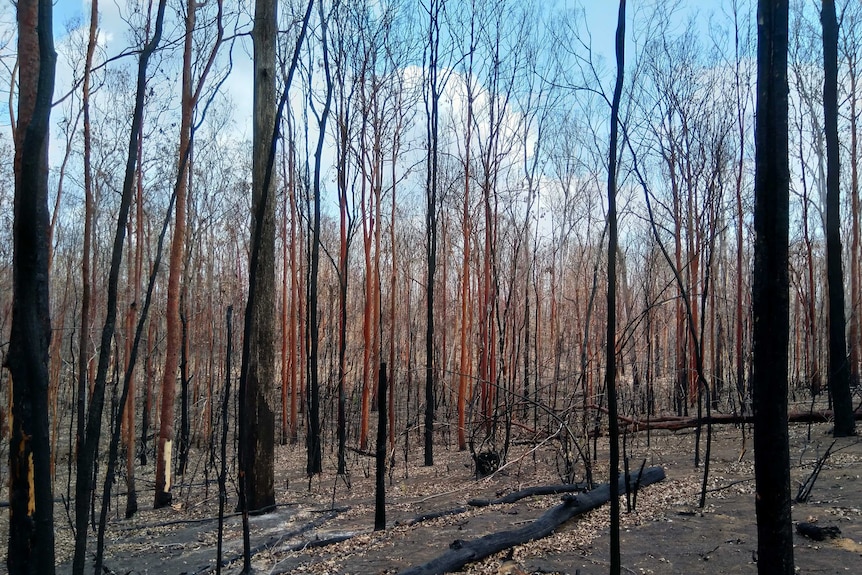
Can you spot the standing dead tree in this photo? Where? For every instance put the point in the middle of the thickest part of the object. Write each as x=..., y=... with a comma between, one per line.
x=432, y=99
x=770, y=293
x=313, y=441
x=87, y=455
x=611, y=357
x=839, y=366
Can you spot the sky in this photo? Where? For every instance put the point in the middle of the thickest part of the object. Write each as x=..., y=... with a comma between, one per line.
x=599, y=16
x=599, y=19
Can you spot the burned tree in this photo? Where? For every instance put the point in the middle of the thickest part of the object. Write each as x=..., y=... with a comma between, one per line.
x=31, y=508
x=770, y=293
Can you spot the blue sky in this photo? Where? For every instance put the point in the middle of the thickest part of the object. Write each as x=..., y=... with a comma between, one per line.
x=65, y=11
x=600, y=19
x=600, y=14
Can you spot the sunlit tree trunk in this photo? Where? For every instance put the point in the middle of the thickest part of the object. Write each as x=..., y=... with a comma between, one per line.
x=393, y=287
x=84, y=329
x=369, y=224
x=175, y=274
x=377, y=195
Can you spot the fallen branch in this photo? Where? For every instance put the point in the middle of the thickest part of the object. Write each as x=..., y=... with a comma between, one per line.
x=529, y=492
x=463, y=552
x=676, y=423
x=804, y=492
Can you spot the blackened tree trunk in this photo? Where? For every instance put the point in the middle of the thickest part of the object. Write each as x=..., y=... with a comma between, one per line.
x=258, y=436
x=839, y=367
x=185, y=423
x=222, y=476
x=770, y=294
x=31, y=507
x=87, y=454
x=380, y=474
x=610, y=342
x=431, y=100
x=314, y=463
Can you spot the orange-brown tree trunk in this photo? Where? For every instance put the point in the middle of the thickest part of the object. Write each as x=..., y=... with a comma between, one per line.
x=84, y=329
x=175, y=273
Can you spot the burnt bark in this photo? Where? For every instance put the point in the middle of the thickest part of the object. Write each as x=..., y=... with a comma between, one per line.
x=31, y=506
x=314, y=464
x=87, y=455
x=257, y=423
x=431, y=104
x=380, y=477
x=610, y=342
x=222, y=476
x=839, y=366
x=770, y=293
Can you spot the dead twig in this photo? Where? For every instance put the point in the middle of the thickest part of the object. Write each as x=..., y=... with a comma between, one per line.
x=804, y=492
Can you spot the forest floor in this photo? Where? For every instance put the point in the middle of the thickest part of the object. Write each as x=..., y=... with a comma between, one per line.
x=666, y=533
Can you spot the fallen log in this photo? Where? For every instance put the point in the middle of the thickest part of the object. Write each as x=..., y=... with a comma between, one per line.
x=676, y=423
x=463, y=552
x=529, y=492
x=731, y=419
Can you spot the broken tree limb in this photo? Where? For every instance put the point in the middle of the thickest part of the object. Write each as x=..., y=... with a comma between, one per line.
x=804, y=492
x=463, y=552
x=529, y=492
